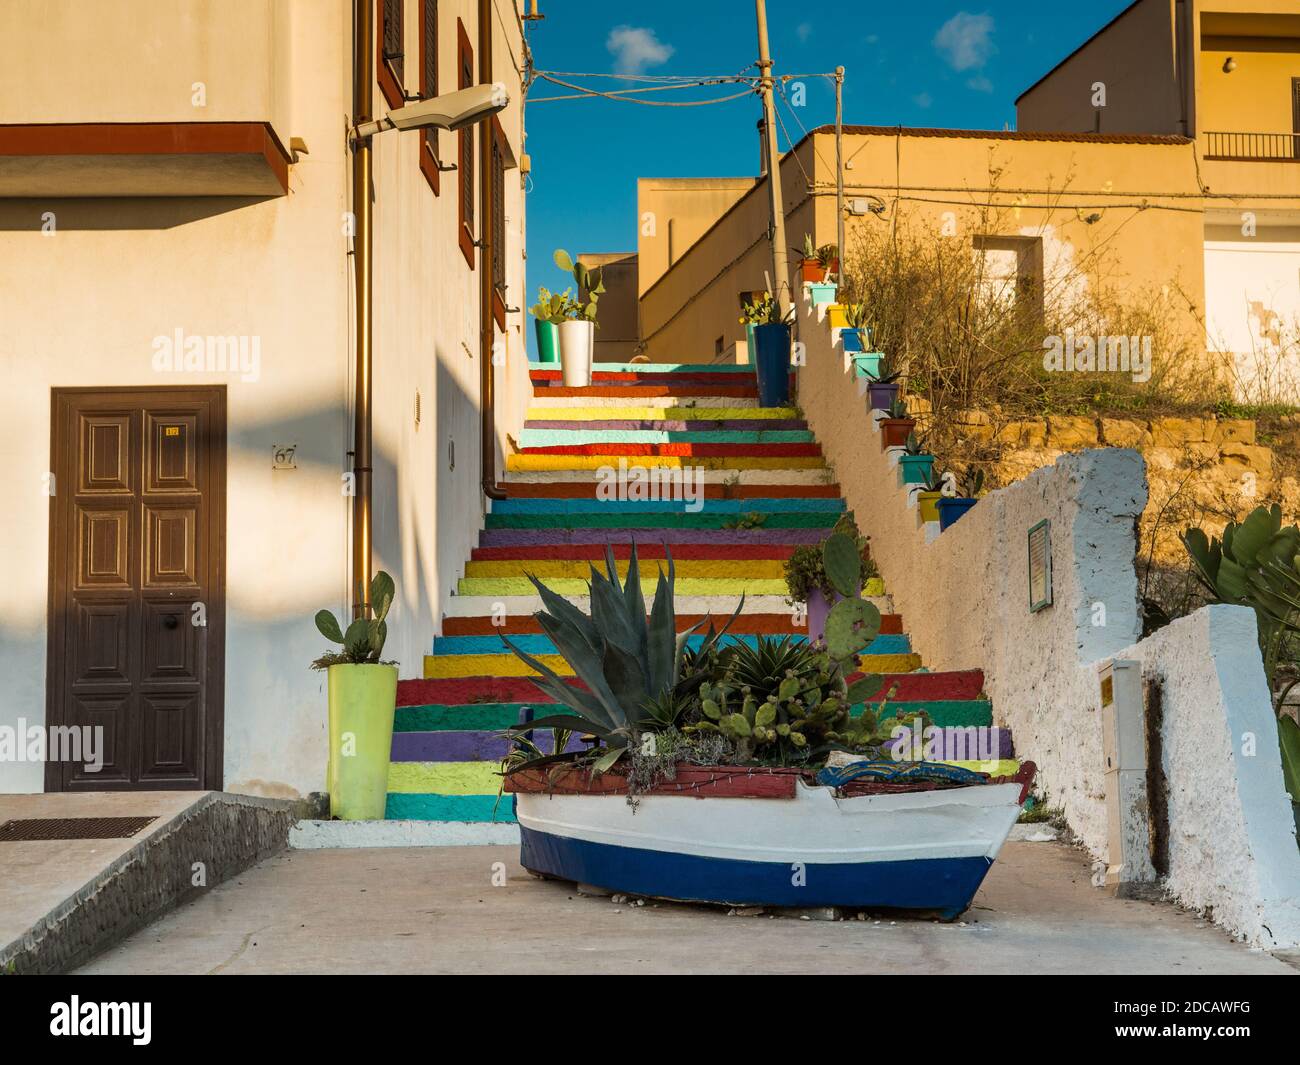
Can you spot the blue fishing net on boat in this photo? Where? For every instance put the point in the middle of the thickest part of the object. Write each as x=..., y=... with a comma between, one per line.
x=889, y=772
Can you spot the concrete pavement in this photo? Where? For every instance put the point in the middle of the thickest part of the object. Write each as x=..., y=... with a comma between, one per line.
x=436, y=910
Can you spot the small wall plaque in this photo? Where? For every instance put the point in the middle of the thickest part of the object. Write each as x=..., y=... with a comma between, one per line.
x=1040, y=566
x=283, y=456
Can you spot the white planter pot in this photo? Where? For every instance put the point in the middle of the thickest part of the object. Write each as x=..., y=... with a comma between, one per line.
x=577, y=339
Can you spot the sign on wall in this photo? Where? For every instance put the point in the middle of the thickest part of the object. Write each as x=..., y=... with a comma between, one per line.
x=1040, y=566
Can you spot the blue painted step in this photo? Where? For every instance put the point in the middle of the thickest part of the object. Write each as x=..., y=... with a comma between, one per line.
x=534, y=644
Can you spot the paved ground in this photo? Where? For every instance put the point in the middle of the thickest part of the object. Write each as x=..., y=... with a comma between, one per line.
x=435, y=910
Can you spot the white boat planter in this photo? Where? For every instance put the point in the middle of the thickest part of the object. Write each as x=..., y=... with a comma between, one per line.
x=768, y=837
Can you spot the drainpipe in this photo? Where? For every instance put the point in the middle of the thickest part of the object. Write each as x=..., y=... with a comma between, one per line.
x=363, y=248
x=487, y=290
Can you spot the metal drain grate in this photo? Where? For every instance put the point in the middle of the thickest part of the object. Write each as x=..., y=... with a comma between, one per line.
x=31, y=829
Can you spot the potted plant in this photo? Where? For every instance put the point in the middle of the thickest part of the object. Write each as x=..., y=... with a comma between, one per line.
x=856, y=336
x=883, y=385
x=779, y=754
x=771, y=350
x=897, y=425
x=914, y=464
x=822, y=292
x=928, y=492
x=816, y=263
x=548, y=313
x=362, y=698
x=808, y=583
x=967, y=489
x=577, y=327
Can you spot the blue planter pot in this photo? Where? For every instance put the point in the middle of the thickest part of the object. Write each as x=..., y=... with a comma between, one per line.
x=914, y=469
x=853, y=340
x=951, y=508
x=772, y=362
x=882, y=396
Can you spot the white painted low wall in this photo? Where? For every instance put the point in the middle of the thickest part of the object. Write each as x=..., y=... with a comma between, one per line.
x=964, y=598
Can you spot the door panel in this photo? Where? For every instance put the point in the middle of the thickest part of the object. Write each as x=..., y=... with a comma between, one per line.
x=136, y=541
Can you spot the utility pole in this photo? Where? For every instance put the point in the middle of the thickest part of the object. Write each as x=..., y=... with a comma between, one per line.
x=839, y=169
x=780, y=267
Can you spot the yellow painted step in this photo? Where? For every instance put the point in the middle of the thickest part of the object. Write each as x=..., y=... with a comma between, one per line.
x=721, y=569
x=625, y=414
x=442, y=667
x=729, y=587
x=524, y=463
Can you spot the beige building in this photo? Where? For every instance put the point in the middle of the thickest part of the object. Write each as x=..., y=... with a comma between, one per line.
x=1168, y=142
x=178, y=257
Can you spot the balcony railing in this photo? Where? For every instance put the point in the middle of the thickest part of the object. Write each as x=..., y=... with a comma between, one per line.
x=1253, y=147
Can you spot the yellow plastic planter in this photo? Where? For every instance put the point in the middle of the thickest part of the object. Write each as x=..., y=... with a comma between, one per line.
x=362, y=701
x=927, y=503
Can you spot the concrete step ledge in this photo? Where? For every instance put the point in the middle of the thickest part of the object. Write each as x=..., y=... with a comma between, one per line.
x=333, y=835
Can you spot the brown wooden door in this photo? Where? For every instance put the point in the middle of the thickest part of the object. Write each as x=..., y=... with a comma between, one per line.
x=137, y=546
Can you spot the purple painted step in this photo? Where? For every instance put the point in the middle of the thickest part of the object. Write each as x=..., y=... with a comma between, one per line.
x=676, y=425
x=463, y=746
x=545, y=537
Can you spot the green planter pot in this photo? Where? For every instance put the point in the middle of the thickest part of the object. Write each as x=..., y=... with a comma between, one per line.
x=548, y=341
x=362, y=700
x=867, y=364
x=914, y=469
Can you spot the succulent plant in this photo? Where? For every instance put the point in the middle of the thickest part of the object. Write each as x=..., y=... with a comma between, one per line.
x=805, y=569
x=363, y=640
x=555, y=307
x=761, y=310
x=632, y=666
x=857, y=316
x=853, y=622
x=914, y=445
x=590, y=282
x=885, y=373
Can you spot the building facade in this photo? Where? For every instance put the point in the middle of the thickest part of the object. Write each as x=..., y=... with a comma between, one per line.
x=177, y=269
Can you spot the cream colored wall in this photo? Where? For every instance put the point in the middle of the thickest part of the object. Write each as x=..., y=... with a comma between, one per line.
x=139, y=60
x=1134, y=58
x=682, y=207
x=117, y=273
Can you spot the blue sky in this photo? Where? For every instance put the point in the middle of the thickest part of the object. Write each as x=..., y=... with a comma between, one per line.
x=920, y=63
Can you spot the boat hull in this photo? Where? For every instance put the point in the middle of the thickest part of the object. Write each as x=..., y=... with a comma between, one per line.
x=925, y=851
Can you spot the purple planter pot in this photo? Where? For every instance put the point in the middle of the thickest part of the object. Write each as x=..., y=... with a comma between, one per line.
x=882, y=396
x=819, y=609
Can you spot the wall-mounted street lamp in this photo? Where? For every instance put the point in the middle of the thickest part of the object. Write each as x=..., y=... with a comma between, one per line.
x=453, y=111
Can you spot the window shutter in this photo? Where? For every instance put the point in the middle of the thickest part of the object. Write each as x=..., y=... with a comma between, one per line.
x=498, y=209
x=393, y=38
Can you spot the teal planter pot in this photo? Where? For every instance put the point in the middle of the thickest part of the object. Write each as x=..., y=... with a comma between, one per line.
x=548, y=341
x=867, y=364
x=749, y=340
x=822, y=293
x=914, y=469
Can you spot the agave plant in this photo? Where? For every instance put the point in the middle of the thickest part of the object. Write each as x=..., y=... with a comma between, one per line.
x=363, y=641
x=632, y=666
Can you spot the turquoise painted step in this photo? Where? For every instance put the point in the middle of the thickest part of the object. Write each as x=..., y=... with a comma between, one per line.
x=661, y=518
x=790, y=505
x=408, y=807
x=490, y=717
x=534, y=644
x=553, y=437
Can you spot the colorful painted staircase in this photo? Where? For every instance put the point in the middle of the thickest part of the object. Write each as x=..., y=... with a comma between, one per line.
x=764, y=462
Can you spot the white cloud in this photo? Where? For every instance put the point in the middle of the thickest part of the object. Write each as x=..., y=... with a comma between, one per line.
x=966, y=40
x=804, y=31
x=635, y=48
x=980, y=84
x=923, y=99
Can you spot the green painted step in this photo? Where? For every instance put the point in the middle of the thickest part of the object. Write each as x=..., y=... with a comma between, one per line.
x=702, y=520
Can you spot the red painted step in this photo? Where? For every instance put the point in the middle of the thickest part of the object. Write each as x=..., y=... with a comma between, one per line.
x=749, y=391
x=911, y=687
x=685, y=450
x=676, y=377
x=744, y=625
x=596, y=552
x=587, y=490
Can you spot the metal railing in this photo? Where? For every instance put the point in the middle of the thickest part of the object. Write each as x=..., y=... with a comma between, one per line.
x=1253, y=147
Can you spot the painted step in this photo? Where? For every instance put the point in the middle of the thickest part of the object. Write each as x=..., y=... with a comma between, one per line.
x=670, y=425
x=797, y=505
x=961, y=686
x=625, y=393
x=493, y=717
x=484, y=606
x=647, y=552
x=533, y=461
x=729, y=588
x=507, y=665
x=686, y=450
x=544, y=413
x=674, y=538
x=678, y=406
x=590, y=437
x=720, y=478
x=715, y=369
x=660, y=519
x=766, y=624
x=544, y=649
x=587, y=489
x=558, y=569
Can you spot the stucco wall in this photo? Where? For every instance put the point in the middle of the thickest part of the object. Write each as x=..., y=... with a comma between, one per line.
x=964, y=598
x=87, y=301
